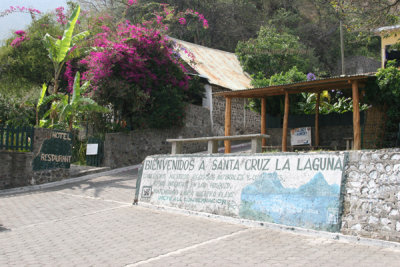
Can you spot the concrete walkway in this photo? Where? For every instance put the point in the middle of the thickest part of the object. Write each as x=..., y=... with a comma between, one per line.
x=92, y=223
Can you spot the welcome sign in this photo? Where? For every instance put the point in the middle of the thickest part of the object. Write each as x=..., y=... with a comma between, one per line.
x=292, y=189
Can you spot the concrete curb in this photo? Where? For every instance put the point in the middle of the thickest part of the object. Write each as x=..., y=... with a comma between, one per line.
x=30, y=188
x=279, y=227
x=84, y=172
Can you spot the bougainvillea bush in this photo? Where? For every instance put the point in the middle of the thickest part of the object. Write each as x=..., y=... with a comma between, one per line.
x=136, y=69
x=131, y=69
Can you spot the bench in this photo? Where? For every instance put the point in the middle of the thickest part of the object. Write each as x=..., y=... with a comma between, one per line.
x=212, y=141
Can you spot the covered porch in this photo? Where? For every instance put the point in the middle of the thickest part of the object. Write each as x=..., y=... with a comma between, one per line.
x=353, y=82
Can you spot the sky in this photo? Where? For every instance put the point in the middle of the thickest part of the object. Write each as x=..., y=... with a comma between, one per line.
x=18, y=21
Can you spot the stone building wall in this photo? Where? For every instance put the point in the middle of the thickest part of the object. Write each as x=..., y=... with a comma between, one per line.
x=123, y=149
x=244, y=121
x=372, y=195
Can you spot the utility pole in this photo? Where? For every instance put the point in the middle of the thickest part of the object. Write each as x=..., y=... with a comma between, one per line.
x=342, y=46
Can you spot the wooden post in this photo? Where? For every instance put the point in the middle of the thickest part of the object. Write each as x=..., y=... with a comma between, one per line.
x=285, y=123
x=356, y=117
x=228, y=113
x=317, y=119
x=263, y=120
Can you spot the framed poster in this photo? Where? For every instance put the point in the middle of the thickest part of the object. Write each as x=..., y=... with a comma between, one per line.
x=300, y=136
x=92, y=149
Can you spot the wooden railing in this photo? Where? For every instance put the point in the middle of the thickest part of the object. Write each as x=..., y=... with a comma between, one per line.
x=16, y=138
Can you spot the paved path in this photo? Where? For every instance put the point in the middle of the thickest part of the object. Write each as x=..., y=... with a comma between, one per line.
x=92, y=223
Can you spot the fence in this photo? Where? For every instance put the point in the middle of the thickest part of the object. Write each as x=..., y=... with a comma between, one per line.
x=95, y=159
x=16, y=138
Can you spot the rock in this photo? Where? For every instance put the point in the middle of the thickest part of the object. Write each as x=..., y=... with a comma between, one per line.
x=356, y=227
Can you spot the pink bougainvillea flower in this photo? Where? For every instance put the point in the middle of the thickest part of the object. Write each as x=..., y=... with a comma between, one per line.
x=134, y=54
x=17, y=41
x=13, y=9
x=182, y=21
x=131, y=2
x=159, y=19
x=20, y=32
x=61, y=18
x=205, y=24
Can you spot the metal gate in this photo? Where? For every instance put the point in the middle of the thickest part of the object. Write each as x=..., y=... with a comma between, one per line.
x=95, y=159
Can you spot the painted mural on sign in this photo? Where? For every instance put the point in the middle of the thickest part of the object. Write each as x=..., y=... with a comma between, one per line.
x=295, y=189
x=312, y=205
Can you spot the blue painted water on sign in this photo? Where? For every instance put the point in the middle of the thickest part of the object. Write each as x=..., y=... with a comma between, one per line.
x=313, y=205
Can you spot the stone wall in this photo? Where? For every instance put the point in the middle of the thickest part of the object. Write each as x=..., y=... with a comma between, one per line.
x=374, y=128
x=372, y=195
x=41, y=134
x=244, y=121
x=16, y=167
x=123, y=149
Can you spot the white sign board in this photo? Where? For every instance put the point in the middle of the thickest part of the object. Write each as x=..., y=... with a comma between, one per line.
x=296, y=189
x=300, y=136
x=91, y=149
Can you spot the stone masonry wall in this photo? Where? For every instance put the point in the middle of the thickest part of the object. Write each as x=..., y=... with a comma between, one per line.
x=244, y=121
x=124, y=149
x=372, y=195
x=16, y=167
x=374, y=128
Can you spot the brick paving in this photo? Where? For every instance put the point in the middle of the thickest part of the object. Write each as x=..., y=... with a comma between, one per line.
x=92, y=223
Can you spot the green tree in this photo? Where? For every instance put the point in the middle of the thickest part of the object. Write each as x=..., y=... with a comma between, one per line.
x=275, y=104
x=273, y=52
x=385, y=92
x=26, y=67
x=368, y=14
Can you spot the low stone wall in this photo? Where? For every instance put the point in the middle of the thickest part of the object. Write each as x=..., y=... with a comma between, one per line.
x=16, y=171
x=16, y=167
x=372, y=195
x=124, y=149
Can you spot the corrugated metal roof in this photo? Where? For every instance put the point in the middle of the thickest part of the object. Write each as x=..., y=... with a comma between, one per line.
x=387, y=28
x=221, y=68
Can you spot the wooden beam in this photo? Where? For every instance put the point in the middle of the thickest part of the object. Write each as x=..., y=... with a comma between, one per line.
x=263, y=119
x=258, y=93
x=228, y=112
x=285, y=123
x=317, y=119
x=356, y=116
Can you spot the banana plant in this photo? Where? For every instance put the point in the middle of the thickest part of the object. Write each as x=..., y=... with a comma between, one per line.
x=40, y=102
x=309, y=102
x=60, y=50
x=69, y=110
